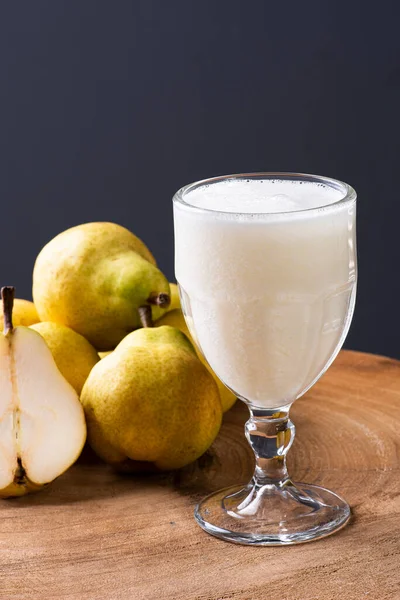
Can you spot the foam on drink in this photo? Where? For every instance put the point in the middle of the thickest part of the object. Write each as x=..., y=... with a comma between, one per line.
x=263, y=196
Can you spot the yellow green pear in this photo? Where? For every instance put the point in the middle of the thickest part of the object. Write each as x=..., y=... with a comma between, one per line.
x=74, y=355
x=42, y=422
x=175, y=318
x=24, y=313
x=175, y=300
x=153, y=401
x=175, y=303
x=93, y=278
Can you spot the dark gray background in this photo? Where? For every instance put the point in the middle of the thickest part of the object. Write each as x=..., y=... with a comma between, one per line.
x=107, y=107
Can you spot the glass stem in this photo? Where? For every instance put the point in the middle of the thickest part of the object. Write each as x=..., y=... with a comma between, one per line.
x=270, y=433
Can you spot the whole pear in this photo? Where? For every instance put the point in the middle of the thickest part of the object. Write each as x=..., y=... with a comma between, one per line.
x=42, y=422
x=175, y=318
x=74, y=355
x=151, y=400
x=111, y=272
x=24, y=313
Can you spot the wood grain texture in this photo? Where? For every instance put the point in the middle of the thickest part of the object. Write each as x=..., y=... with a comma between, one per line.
x=95, y=535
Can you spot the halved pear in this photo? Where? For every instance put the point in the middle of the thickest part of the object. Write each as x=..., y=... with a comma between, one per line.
x=42, y=423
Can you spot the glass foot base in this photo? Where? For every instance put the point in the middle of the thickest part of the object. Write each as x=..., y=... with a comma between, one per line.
x=269, y=515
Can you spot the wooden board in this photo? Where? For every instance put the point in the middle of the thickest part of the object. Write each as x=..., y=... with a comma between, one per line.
x=96, y=535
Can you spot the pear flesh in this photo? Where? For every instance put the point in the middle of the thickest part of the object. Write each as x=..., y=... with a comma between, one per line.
x=42, y=425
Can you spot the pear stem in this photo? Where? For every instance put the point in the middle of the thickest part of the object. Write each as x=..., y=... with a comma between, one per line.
x=162, y=300
x=7, y=294
x=145, y=316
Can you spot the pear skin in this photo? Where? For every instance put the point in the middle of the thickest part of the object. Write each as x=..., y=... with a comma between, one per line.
x=24, y=313
x=175, y=299
x=175, y=318
x=117, y=273
x=152, y=401
x=74, y=355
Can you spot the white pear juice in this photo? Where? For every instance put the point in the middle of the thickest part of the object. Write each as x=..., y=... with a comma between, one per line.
x=267, y=271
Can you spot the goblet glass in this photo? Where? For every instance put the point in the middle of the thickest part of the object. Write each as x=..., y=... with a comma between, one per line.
x=266, y=267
